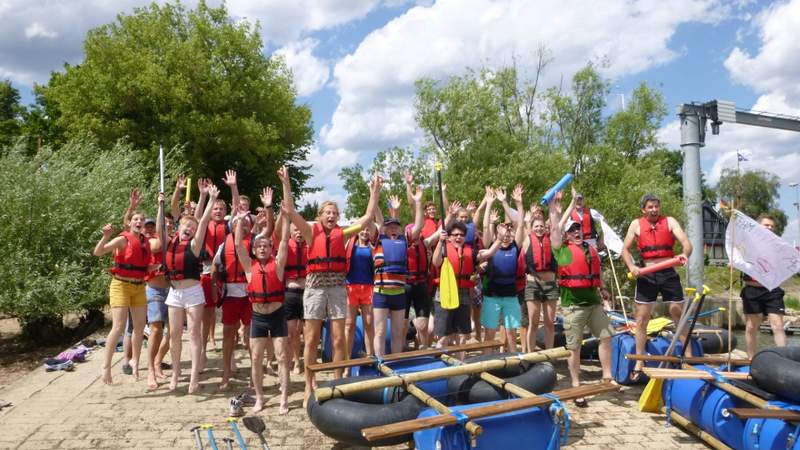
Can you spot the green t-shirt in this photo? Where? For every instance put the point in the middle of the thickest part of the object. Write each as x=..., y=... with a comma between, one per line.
x=574, y=296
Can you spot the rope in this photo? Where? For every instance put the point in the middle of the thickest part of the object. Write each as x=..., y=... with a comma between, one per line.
x=560, y=416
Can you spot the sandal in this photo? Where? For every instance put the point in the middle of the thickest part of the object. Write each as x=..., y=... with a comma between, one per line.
x=581, y=402
x=636, y=375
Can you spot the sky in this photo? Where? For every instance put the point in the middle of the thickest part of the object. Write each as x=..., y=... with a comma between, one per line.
x=355, y=62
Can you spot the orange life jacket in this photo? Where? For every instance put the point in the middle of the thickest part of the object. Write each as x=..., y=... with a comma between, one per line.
x=326, y=252
x=418, y=265
x=586, y=221
x=264, y=284
x=182, y=264
x=156, y=259
x=580, y=273
x=296, y=260
x=539, y=257
x=232, y=270
x=215, y=236
x=655, y=241
x=132, y=261
x=463, y=265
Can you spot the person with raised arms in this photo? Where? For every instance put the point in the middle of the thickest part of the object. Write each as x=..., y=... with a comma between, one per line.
x=186, y=299
x=417, y=289
x=583, y=214
x=295, y=277
x=500, y=294
x=453, y=326
x=325, y=296
x=581, y=294
x=359, y=281
x=127, y=289
x=758, y=301
x=655, y=235
x=264, y=271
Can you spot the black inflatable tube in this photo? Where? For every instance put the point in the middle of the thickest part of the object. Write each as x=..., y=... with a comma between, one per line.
x=344, y=418
x=714, y=342
x=777, y=370
x=588, y=350
x=537, y=378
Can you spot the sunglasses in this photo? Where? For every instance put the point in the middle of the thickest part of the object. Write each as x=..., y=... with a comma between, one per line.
x=456, y=235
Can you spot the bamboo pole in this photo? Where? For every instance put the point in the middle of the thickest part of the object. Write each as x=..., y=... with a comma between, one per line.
x=406, y=355
x=756, y=413
x=688, y=359
x=472, y=428
x=694, y=429
x=493, y=380
x=410, y=426
x=326, y=393
x=679, y=374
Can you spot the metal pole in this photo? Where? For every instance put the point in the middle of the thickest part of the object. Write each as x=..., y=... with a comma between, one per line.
x=691, y=127
x=796, y=187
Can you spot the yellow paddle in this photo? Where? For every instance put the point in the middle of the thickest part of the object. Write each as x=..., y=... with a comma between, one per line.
x=448, y=286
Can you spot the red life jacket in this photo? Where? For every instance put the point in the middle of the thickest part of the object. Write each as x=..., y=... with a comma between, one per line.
x=580, y=273
x=296, y=260
x=264, y=284
x=539, y=257
x=132, y=261
x=655, y=241
x=215, y=236
x=156, y=259
x=326, y=252
x=232, y=270
x=428, y=228
x=520, y=280
x=463, y=266
x=586, y=221
x=418, y=265
x=182, y=264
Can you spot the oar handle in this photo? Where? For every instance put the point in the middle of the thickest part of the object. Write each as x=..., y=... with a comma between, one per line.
x=438, y=167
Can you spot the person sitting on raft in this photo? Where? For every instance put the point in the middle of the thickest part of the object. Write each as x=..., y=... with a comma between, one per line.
x=655, y=235
x=265, y=289
x=325, y=296
x=581, y=293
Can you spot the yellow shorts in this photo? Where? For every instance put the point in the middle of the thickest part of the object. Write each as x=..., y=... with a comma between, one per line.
x=126, y=294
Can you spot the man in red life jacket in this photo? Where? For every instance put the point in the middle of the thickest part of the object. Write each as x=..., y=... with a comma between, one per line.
x=758, y=301
x=582, y=292
x=583, y=215
x=655, y=235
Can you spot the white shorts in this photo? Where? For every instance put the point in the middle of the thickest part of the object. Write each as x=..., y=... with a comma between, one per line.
x=186, y=298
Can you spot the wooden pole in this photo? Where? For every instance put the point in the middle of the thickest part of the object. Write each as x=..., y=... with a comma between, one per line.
x=493, y=380
x=472, y=428
x=757, y=413
x=694, y=429
x=410, y=426
x=326, y=393
x=406, y=355
x=679, y=374
x=738, y=392
x=688, y=359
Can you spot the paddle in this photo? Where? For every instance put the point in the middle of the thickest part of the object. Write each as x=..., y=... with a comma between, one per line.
x=650, y=400
x=448, y=287
x=256, y=425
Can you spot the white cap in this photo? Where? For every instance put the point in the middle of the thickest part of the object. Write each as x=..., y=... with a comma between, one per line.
x=569, y=224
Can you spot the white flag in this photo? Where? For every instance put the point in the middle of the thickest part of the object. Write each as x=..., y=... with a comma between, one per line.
x=610, y=237
x=759, y=252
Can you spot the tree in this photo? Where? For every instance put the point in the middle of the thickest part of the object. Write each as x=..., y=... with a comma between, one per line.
x=10, y=113
x=309, y=211
x=196, y=78
x=753, y=192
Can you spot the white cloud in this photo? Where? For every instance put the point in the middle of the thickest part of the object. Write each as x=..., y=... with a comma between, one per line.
x=38, y=30
x=375, y=82
x=310, y=73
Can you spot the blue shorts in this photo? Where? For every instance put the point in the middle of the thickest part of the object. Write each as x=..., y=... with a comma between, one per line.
x=157, y=310
x=495, y=308
x=390, y=302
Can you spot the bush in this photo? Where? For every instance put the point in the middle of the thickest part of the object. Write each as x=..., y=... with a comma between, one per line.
x=52, y=207
x=792, y=303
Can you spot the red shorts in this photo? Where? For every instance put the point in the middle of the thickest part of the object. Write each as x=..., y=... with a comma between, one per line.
x=359, y=294
x=205, y=282
x=235, y=309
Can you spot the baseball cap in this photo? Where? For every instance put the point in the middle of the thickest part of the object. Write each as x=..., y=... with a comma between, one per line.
x=149, y=221
x=570, y=224
x=391, y=221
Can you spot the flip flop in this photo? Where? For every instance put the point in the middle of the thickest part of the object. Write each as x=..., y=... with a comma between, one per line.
x=127, y=369
x=581, y=402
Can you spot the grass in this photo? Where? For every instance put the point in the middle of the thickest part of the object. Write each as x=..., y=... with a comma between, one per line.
x=792, y=302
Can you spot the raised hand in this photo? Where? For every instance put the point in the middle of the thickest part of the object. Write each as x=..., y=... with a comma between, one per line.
x=574, y=192
x=376, y=183
x=555, y=203
x=135, y=198
x=500, y=193
x=266, y=197
x=180, y=183
x=230, y=177
x=490, y=195
x=528, y=217
x=408, y=177
x=517, y=194
x=454, y=207
x=471, y=207
x=261, y=219
x=213, y=191
x=161, y=197
x=394, y=202
x=417, y=196
x=493, y=216
x=108, y=230
x=283, y=175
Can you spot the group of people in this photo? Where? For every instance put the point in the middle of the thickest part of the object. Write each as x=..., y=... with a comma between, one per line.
x=279, y=277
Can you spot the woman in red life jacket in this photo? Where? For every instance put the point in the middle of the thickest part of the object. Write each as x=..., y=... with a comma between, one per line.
x=359, y=286
x=264, y=271
x=186, y=299
x=453, y=326
x=126, y=292
x=655, y=235
x=295, y=278
x=417, y=289
x=325, y=296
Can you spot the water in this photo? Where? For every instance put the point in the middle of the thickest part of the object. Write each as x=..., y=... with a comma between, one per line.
x=764, y=340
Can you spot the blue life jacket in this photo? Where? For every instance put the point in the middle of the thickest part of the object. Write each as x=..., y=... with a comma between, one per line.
x=361, y=266
x=469, y=238
x=502, y=271
x=392, y=255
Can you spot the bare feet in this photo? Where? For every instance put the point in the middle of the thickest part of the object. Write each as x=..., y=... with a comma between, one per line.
x=173, y=383
x=306, y=396
x=224, y=386
x=152, y=384
x=259, y=405
x=297, y=370
x=193, y=387
x=135, y=373
x=106, y=375
x=283, y=409
x=160, y=374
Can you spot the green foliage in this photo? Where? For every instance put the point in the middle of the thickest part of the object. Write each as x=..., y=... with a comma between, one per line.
x=792, y=302
x=309, y=211
x=634, y=130
x=10, y=113
x=755, y=193
x=53, y=205
x=194, y=78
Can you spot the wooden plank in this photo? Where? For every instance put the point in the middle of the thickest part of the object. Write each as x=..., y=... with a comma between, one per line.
x=326, y=393
x=688, y=359
x=410, y=426
x=757, y=413
x=368, y=360
x=678, y=374
x=737, y=392
x=695, y=430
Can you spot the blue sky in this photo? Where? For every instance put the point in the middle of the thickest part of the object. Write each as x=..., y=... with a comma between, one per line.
x=355, y=61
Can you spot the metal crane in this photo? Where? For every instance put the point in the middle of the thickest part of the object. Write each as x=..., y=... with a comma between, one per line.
x=694, y=117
